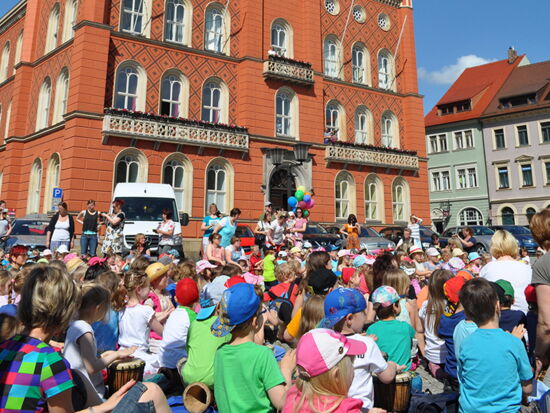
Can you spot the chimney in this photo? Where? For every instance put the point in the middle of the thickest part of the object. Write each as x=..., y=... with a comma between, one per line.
x=512, y=55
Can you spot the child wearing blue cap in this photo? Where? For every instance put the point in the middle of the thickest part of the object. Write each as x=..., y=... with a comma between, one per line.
x=246, y=375
x=345, y=313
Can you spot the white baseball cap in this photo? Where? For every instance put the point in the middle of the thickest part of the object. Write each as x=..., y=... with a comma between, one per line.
x=46, y=252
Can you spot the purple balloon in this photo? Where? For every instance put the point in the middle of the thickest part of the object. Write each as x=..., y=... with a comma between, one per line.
x=307, y=198
x=311, y=203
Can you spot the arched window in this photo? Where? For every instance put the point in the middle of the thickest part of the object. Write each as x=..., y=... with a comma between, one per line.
x=61, y=96
x=386, y=70
x=390, y=130
x=360, y=63
x=179, y=14
x=8, y=119
x=374, y=198
x=214, y=101
x=216, y=29
x=219, y=185
x=286, y=113
x=71, y=10
x=400, y=200
x=18, y=49
x=281, y=38
x=508, y=216
x=173, y=94
x=52, y=180
x=332, y=56
x=344, y=195
x=363, y=125
x=134, y=16
x=1, y=182
x=43, y=111
x=130, y=87
x=529, y=213
x=4, y=62
x=335, y=120
x=35, y=186
x=177, y=172
x=130, y=166
x=53, y=29
x=470, y=216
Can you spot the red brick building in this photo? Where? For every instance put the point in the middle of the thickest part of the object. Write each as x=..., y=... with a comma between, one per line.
x=98, y=92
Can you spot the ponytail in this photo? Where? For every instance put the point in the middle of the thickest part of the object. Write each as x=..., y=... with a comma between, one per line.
x=132, y=281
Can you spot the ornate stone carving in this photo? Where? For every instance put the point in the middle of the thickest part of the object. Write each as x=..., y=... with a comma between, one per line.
x=364, y=156
x=287, y=70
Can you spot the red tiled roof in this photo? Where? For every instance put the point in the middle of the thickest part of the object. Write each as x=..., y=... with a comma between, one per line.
x=484, y=80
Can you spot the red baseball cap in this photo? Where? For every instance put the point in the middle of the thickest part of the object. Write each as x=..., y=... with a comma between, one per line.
x=347, y=273
x=452, y=288
x=187, y=292
x=531, y=294
x=236, y=279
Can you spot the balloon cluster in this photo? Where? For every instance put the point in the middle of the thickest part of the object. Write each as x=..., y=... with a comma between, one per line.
x=301, y=199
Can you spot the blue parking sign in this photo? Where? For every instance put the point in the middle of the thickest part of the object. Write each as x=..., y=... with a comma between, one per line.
x=57, y=193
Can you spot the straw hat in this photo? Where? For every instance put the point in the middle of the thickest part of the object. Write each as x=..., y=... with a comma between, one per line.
x=156, y=270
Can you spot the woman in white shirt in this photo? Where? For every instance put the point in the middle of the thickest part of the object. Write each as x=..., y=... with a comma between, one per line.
x=166, y=231
x=60, y=230
x=504, y=248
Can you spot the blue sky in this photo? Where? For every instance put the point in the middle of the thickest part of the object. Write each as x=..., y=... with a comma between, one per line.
x=454, y=34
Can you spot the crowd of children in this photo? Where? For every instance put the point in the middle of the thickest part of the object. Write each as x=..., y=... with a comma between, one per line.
x=294, y=329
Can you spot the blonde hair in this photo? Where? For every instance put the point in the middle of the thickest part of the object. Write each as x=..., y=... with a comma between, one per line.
x=132, y=281
x=335, y=382
x=284, y=271
x=503, y=243
x=49, y=300
x=312, y=312
x=110, y=281
x=9, y=327
x=398, y=279
x=186, y=269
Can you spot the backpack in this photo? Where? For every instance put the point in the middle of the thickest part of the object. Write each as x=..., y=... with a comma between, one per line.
x=282, y=304
x=433, y=403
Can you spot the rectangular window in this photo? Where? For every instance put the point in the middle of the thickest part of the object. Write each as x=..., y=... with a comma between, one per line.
x=527, y=175
x=500, y=142
x=468, y=139
x=545, y=131
x=461, y=181
x=443, y=143
x=547, y=169
x=459, y=140
x=523, y=136
x=503, y=181
x=436, y=181
x=472, y=178
x=445, y=181
x=466, y=178
x=433, y=144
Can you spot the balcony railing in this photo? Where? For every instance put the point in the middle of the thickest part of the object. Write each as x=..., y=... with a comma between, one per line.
x=282, y=68
x=179, y=131
x=382, y=157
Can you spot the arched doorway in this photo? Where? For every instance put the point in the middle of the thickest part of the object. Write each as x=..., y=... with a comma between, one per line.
x=282, y=185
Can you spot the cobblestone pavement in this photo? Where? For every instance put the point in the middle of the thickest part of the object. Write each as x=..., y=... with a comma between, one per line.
x=429, y=382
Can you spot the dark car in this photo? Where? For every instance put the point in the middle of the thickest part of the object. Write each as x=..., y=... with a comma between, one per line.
x=318, y=236
x=522, y=234
x=28, y=232
x=482, y=234
x=395, y=233
x=247, y=237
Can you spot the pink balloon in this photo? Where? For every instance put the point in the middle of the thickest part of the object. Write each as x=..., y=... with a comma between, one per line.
x=311, y=204
x=302, y=205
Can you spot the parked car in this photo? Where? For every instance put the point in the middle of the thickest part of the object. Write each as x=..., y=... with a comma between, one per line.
x=522, y=234
x=318, y=236
x=28, y=232
x=247, y=237
x=368, y=238
x=482, y=235
x=395, y=233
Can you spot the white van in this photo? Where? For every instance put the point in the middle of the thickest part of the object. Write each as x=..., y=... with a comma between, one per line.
x=143, y=205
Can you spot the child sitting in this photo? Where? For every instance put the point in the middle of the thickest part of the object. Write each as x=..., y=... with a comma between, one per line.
x=394, y=336
x=80, y=344
x=106, y=330
x=246, y=375
x=493, y=367
x=268, y=265
x=325, y=374
x=345, y=313
x=417, y=255
x=174, y=339
x=509, y=319
x=256, y=262
x=433, y=263
x=204, y=273
x=285, y=275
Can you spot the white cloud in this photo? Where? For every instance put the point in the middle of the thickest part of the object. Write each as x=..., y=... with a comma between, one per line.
x=448, y=74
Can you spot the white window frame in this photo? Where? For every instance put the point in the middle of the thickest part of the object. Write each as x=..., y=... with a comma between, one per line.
x=216, y=37
x=386, y=70
x=363, y=125
x=61, y=96
x=462, y=218
x=404, y=203
x=520, y=174
x=35, y=187
x=184, y=191
x=53, y=176
x=215, y=84
x=336, y=125
x=390, y=130
x=4, y=62
x=18, y=50
x=173, y=27
x=131, y=69
x=69, y=21
x=360, y=62
x=288, y=97
x=139, y=11
x=546, y=171
x=516, y=129
x=466, y=169
x=495, y=144
x=8, y=119
x=547, y=121
x=171, y=78
x=438, y=176
x=331, y=57
x=220, y=164
x=44, y=103
x=374, y=208
x=497, y=176
x=281, y=36
x=466, y=143
x=344, y=192
x=52, y=33
x=131, y=156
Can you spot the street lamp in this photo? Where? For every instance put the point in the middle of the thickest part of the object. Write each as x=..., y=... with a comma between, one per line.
x=277, y=155
x=301, y=152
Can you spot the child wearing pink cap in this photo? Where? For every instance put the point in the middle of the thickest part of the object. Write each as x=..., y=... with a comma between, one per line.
x=325, y=374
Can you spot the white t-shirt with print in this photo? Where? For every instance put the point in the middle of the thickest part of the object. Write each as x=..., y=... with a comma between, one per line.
x=364, y=366
x=278, y=232
x=174, y=338
x=436, y=352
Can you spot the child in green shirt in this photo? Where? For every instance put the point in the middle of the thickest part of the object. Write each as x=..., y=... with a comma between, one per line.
x=269, y=268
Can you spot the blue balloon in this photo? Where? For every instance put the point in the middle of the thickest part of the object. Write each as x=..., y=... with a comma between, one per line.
x=292, y=202
x=307, y=198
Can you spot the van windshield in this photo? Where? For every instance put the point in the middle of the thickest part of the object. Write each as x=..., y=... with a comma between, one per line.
x=148, y=209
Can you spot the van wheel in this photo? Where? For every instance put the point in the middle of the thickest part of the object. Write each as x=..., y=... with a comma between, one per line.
x=480, y=248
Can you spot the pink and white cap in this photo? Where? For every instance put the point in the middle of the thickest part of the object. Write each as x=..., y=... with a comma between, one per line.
x=321, y=349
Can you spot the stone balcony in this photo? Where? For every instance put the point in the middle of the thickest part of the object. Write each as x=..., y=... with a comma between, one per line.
x=282, y=68
x=372, y=156
x=141, y=126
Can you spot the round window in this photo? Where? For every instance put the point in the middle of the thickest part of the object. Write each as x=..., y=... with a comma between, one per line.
x=359, y=14
x=332, y=6
x=384, y=21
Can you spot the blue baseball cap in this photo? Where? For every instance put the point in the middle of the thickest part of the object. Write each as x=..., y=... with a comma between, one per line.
x=359, y=261
x=238, y=304
x=174, y=252
x=341, y=302
x=210, y=296
x=473, y=256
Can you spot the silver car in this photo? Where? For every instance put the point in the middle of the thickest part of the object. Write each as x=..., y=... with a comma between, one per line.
x=372, y=240
x=482, y=235
x=28, y=232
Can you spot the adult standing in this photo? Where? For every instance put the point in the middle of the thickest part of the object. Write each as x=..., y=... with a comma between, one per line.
x=414, y=226
x=268, y=209
x=227, y=227
x=300, y=225
x=166, y=230
x=89, y=218
x=467, y=240
x=208, y=224
x=60, y=230
x=113, y=242
x=351, y=229
x=262, y=229
x=5, y=227
x=504, y=247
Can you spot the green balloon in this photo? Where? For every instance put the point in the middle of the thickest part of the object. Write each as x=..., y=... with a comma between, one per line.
x=299, y=195
x=306, y=213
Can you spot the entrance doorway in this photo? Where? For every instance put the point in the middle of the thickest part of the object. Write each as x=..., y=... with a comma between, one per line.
x=282, y=185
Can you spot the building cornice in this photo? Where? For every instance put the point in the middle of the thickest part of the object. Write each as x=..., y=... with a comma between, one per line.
x=518, y=199
x=13, y=16
x=47, y=56
x=495, y=118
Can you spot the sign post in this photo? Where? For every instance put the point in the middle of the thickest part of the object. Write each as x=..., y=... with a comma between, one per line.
x=57, y=197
